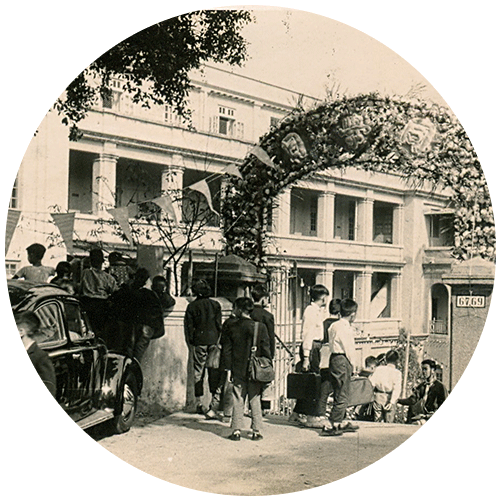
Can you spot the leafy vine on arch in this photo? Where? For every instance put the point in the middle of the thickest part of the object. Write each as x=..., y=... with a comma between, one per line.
x=419, y=141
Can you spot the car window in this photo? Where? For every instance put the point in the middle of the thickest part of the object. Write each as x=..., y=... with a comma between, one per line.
x=76, y=324
x=51, y=324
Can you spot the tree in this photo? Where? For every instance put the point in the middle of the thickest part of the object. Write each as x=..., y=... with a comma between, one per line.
x=154, y=64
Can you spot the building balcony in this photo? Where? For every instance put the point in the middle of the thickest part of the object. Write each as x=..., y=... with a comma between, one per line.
x=297, y=246
x=104, y=229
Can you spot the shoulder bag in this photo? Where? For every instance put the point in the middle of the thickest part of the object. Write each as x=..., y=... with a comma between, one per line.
x=214, y=353
x=260, y=368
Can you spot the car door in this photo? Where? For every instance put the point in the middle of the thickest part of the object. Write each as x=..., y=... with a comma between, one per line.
x=89, y=360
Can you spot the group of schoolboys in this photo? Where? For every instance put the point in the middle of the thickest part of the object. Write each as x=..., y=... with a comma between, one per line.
x=328, y=348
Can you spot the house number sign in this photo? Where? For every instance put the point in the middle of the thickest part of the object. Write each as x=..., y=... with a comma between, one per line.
x=470, y=301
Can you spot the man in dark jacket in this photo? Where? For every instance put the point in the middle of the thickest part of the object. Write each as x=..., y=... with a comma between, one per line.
x=202, y=328
x=237, y=342
x=427, y=397
x=260, y=297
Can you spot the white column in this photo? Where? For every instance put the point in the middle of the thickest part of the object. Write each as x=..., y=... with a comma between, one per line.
x=325, y=278
x=172, y=181
x=326, y=215
x=104, y=181
x=396, y=296
x=281, y=216
x=363, y=293
x=397, y=228
x=365, y=220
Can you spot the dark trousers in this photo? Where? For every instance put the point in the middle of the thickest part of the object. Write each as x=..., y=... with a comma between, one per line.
x=142, y=335
x=97, y=311
x=341, y=373
x=200, y=354
x=310, y=406
x=326, y=390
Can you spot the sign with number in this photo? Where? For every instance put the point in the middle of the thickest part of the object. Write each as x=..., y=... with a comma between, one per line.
x=471, y=301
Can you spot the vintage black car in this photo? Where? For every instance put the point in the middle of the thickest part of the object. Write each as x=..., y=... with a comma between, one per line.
x=94, y=384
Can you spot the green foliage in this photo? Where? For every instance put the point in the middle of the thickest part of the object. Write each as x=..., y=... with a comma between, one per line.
x=154, y=64
x=375, y=145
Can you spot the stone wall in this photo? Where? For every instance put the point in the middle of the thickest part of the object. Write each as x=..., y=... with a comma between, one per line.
x=167, y=364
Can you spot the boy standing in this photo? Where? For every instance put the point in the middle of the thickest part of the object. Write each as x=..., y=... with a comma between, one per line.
x=237, y=346
x=312, y=340
x=341, y=340
x=36, y=272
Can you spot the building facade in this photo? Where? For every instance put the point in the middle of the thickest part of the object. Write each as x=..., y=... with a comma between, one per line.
x=372, y=237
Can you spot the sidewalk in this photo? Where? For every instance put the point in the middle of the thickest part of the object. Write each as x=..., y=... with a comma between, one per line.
x=187, y=450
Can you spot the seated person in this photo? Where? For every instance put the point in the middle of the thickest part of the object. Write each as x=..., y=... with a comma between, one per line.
x=427, y=397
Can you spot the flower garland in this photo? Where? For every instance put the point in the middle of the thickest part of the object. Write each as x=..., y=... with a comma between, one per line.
x=417, y=140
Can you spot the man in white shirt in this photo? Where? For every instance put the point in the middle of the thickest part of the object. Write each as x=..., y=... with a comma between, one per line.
x=312, y=339
x=386, y=381
x=342, y=360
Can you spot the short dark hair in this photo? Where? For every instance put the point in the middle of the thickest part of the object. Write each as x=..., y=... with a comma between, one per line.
x=347, y=307
x=37, y=250
x=392, y=356
x=202, y=289
x=96, y=257
x=259, y=291
x=114, y=257
x=141, y=276
x=158, y=279
x=318, y=291
x=244, y=304
x=430, y=362
x=334, y=306
x=370, y=360
x=63, y=267
x=30, y=319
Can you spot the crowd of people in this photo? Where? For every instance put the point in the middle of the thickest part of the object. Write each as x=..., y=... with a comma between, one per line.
x=127, y=309
x=124, y=306
x=327, y=349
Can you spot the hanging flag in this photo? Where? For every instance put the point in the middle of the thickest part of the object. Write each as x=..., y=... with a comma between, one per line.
x=232, y=169
x=66, y=224
x=165, y=203
x=12, y=220
x=122, y=215
x=202, y=187
x=262, y=156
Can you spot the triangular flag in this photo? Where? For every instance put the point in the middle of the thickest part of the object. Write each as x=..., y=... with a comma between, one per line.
x=261, y=155
x=12, y=220
x=232, y=169
x=202, y=187
x=165, y=203
x=121, y=215
x=66, y=224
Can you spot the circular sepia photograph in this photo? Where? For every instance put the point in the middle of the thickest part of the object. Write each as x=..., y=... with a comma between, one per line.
x=249, y=251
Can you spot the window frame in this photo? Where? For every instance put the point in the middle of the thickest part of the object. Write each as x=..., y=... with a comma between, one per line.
x=62, y=322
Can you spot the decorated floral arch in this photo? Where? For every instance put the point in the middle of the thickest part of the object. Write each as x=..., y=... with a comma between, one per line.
x=419, y=141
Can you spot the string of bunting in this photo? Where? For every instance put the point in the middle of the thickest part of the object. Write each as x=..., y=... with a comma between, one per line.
x=123, y=214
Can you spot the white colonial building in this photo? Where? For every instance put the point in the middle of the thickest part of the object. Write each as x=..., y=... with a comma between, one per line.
x=363, y=235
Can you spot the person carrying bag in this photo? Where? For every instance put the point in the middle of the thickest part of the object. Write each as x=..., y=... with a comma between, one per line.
x=246, y=353
x=260, y=368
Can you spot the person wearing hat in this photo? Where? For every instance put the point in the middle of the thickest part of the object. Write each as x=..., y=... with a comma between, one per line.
x=202, y=329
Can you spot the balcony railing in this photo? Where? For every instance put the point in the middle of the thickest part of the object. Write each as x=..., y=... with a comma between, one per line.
x=438, y=326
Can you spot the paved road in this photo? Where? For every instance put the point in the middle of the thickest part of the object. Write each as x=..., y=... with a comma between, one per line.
x=187, y=450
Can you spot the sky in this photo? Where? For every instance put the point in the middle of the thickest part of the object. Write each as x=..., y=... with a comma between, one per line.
x=307, y=52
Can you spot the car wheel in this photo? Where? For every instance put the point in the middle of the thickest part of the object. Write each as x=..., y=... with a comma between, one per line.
x=124, y=420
